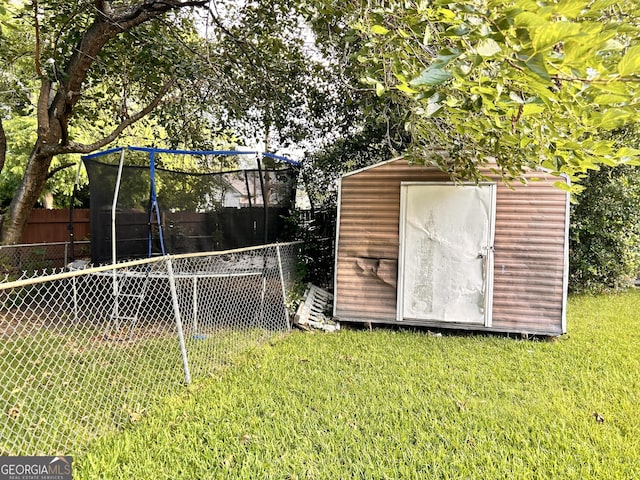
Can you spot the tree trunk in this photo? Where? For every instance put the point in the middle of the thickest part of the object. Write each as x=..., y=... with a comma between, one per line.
x=26, y=196
x=3, y=146
x=3, y=156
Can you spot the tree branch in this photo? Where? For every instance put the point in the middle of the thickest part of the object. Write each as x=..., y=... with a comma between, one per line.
x=36, y=24
x=561, y=77
x=74, y=147
x=129, y=17
x=42, y=113
x=241, y=43
x=104, y=7
x=58, y=169
x=105, y=27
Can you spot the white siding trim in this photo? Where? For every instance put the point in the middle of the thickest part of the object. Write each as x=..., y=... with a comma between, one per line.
x=364, y=169
x=335, y=254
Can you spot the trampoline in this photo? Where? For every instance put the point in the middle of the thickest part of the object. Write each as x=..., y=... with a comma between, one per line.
x=149, y=201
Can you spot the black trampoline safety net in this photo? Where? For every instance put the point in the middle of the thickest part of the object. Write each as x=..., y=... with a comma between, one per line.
x=191, y=208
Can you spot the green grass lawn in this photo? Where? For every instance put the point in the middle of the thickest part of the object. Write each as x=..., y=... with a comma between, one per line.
x=404, y=404
x=63, y=386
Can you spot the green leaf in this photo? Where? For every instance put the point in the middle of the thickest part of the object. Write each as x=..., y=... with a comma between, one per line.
x=537, y=65
x=532, y=109
x=457, y=30
x=619, y=88
x=600, y=148
x=431, y=76
x=597, y=7
x=528, y=5
x=462, y=70
x=614, y=118
x=547, y=36
x=613, y=45
x=608, y=161
x=426, y=39
x=630, y=63
x=488, y=47
x=529, y=19
x=446, y=14
x=571, y=8
x=379, y=30
x=524, y=141
x=610, y=99
x=577, y=52
x=433, y=108
x=404, y=87
x=563, y=186
x=444, y=57
x=369, y=81
x=489, y=92
x=516, y=98
x=379, y=89
x=628, y=152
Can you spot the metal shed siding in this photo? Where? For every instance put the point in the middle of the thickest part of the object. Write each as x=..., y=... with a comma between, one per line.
x=529, y=249
x=529, y=258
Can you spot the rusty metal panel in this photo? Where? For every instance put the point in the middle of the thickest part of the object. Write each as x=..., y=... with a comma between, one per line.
x=529, y=261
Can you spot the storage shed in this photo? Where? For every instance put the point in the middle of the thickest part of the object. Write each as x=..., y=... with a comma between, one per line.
x=414, y=248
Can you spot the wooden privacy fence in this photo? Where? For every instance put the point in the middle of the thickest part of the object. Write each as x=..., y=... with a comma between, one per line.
x=53, y=225
x=45, y=243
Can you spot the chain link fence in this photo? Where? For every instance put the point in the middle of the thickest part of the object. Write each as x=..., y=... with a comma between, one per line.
x=85, y=352
x=24, y=260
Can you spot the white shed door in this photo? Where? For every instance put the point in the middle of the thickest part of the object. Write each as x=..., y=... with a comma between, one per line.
x=446, y=253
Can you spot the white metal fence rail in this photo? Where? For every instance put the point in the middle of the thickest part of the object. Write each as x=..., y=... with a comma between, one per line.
x=85, y=352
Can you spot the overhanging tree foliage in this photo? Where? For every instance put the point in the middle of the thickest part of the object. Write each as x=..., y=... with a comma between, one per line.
x=520, y=83
x=147, y=63
x=269, y=83
x=74, y=46
x=367, y=128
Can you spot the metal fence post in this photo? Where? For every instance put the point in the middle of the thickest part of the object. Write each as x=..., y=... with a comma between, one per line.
x=178, y=317
x=284, y=293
